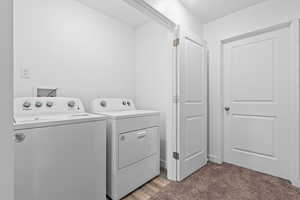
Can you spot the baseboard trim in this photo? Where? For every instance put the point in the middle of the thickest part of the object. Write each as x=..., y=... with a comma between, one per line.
x=214, y=159
x=296, y=183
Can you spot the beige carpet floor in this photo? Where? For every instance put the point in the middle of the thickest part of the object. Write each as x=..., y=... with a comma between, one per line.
x=228, y=182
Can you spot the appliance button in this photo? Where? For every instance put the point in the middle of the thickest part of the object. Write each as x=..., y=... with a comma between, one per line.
x=38, y=104
x=26, y=104
x=71, y=104
x=103, y=104
x=49, y=104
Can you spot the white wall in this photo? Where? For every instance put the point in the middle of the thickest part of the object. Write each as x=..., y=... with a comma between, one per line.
x=154, y=75
x=253, y=18
x=67, y=45
x=6, y=87
x=175, y=11
x=87, y=55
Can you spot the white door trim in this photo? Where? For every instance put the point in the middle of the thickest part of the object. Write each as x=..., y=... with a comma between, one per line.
x=147, y=9
x=294, y=30
x=171, y=136
x=295, y=44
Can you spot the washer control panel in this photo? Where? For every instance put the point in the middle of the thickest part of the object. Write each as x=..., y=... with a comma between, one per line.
x=112, y=104
x=45, y=105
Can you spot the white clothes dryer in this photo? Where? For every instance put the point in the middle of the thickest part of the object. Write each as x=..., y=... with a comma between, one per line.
x=133, y=145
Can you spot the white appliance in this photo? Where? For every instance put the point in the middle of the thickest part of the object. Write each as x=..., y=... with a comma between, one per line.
x=60, y=150
x=133, y=145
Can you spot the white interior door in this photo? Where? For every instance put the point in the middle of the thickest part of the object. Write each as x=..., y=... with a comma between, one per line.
x=257, y=92
x=192, y=106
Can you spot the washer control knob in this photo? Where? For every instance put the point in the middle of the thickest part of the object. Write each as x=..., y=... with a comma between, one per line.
x=38, y=104
x=71, y=104
x=26, y=104
x=103, y=104
x=124, y=103
x=128, y=103
x=49, y=104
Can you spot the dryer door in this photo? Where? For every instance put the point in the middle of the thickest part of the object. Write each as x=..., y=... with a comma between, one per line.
x=136, y=146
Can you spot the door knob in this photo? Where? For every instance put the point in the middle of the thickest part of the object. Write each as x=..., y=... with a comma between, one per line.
x=19, y=137
x=227, y=108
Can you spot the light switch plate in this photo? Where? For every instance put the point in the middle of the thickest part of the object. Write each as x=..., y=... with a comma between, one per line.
x=25, y=73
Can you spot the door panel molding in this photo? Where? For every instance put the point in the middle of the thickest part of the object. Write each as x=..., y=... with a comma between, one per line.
x=293, y=27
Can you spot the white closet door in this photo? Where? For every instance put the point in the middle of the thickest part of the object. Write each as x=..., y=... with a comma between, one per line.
x=192, y=106
x=257, y=95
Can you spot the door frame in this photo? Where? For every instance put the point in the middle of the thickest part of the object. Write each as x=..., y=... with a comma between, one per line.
x=294, y=27
x=171, y=135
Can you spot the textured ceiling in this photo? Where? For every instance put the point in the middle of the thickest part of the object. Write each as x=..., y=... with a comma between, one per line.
x=209, y=10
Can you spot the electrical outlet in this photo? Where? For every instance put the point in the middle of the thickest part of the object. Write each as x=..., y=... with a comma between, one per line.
x=25, y=73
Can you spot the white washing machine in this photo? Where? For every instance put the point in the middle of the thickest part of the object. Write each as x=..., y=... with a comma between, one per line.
x=132, y=145
x=60, y=150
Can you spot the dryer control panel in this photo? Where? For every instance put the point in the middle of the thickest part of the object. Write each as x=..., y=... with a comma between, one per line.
x=112, y=104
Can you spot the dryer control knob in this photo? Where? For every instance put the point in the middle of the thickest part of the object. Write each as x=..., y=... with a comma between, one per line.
x=71, y=104
x=49, y=104
x=103, y=103
x=26, y=104
x=38, y=104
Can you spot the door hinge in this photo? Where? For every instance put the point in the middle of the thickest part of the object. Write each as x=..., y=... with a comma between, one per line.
x=176, y=155
x=176, y=42
x=176, y=99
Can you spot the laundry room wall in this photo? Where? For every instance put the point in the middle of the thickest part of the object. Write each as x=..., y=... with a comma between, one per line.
x=254, y=18
x=6, y=86
x=154, y=75
x=64, y=44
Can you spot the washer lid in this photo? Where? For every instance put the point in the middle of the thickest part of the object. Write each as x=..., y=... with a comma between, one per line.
x=129, y=114
x=37, y=121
